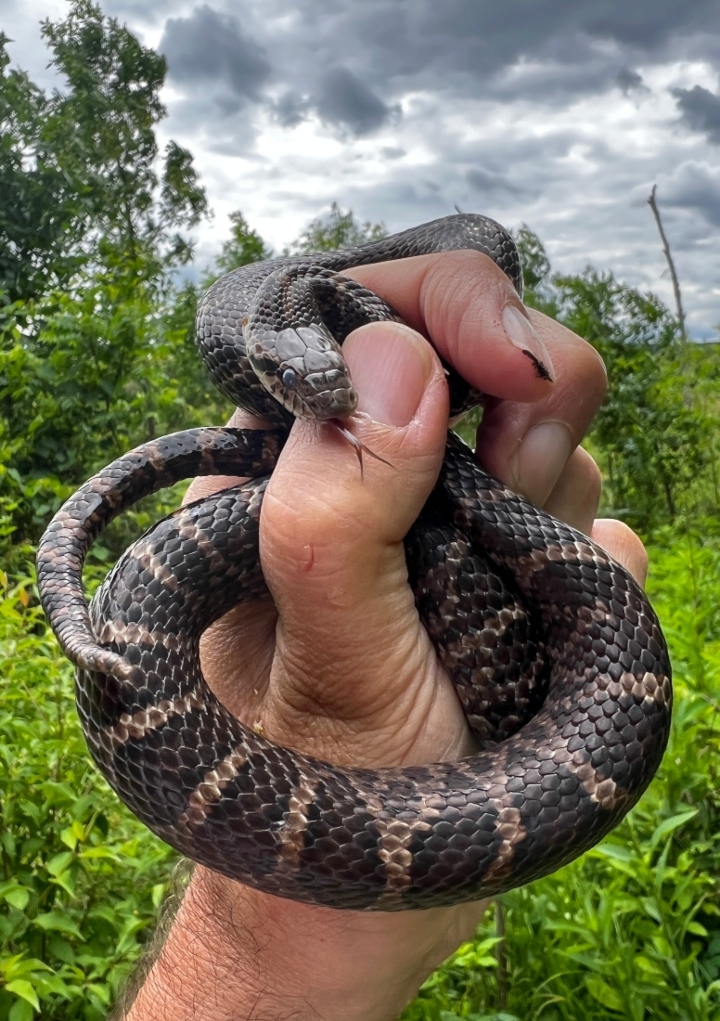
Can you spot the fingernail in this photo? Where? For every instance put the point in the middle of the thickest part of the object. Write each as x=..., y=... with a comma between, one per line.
x=540, y=459
x=391, y=367
x=521, y=333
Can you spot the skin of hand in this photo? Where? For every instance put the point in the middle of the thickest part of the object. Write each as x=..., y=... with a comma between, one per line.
x=338, y=665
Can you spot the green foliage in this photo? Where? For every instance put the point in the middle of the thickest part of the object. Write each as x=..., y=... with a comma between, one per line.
x=80, y=170
x=100, y=130
x=335, y=230
x=80, y=879
x=242, y=247
x=651, y=431
x=631, y=930
x=83, y=377
x=654, y=437
x=95, y=342
x=97, y=354
x=538, y=290
x=39, y=228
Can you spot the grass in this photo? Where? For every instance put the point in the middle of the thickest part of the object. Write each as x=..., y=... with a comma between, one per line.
x=631, y=930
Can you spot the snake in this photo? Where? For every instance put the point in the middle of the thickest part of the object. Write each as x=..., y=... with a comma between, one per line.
x=558, y=658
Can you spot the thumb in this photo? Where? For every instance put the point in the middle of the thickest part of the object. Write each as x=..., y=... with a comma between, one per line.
x=351, y=651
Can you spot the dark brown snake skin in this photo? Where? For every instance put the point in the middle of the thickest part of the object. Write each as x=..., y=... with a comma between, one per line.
x=558, y=657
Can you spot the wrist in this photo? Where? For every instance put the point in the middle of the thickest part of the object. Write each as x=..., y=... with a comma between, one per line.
x=235, y=953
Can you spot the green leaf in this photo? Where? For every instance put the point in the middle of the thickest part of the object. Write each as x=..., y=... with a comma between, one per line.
x=67, y=881
x=56, y=922
x=604, y=994
x=158, y=894
x=674, y=822
x=69, y=837
x=22, y=988
x=615, y=851
x=59, y=862
x=15, y=894
x=98, y=852
x=21, y=1010
x=18, y=898
x=19, y=965
x=663, y=947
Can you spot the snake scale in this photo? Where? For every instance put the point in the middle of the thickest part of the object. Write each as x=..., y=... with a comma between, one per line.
x=558, y=657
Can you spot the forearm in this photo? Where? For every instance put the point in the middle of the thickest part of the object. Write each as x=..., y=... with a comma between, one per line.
x=233, y=953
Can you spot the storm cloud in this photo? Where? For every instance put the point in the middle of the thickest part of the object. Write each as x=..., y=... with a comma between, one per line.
x=701, y=110
x=344, y=100
x=557, y=113
x=211, y=46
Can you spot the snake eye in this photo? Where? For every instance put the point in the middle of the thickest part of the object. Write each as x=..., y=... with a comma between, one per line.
x=289, y=379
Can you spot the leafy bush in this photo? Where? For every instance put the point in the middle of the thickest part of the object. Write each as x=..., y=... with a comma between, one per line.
x=632, y=929
x=80, y=879
x=96, y=355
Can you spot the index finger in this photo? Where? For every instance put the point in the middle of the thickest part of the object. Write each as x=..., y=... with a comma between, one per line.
x=473, y=316
x=470, y=311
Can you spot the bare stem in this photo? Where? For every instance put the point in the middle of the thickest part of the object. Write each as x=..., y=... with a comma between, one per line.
x=501, y=973
x=652, y=202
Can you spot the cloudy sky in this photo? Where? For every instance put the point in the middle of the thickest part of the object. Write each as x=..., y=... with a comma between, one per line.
x=557, y=113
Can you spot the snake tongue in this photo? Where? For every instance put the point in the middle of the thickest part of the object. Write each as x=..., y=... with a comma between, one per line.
x=359, y=447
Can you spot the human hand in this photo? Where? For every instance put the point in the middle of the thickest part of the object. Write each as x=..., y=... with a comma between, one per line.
x=339, y=665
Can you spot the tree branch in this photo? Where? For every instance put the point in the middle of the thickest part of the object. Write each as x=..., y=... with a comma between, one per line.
x=652, y=202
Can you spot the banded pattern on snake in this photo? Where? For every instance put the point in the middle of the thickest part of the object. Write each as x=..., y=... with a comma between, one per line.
x=559, y=660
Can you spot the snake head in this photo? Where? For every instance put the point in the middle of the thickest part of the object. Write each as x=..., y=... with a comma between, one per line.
x=303, y=368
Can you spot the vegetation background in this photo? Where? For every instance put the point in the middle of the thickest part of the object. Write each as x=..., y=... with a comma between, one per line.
x=97, y=355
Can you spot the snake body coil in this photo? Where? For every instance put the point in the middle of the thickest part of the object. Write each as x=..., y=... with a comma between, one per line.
x=559, y=660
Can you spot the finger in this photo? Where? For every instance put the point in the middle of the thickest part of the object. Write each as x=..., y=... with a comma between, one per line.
x=576, y=496
x=528, y=445
x=474, y=317
x=619, y=540
x=352, y=656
